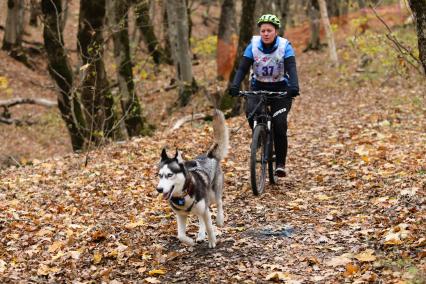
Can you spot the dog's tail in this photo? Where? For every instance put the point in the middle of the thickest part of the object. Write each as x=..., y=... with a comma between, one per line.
x=219, y=150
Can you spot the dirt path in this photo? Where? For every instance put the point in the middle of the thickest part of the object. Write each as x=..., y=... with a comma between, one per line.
x=352, y=208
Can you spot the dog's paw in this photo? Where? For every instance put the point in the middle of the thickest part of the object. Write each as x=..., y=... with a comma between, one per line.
x=219, y=220
x=201, y=236
x=187, y=240
x=212, y=241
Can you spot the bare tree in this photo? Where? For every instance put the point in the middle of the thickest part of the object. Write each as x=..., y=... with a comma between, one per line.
x=246, y=25
x=147, y=30
x=284, y=12
x=96, y=97
x=226, y=40
x=361, y=4
x=419, y=10
x=177, y=17
x=329, y=33
x=34, y=12
x=314, y=22
x=12, y=40
x=61, y=72
x=131, y=108
x=167, y=44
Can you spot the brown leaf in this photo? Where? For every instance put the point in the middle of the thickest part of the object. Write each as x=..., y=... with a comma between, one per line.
x=351, y=269
x=366, y=256
x=98, y=236
x=152, y=280
x=155, y=272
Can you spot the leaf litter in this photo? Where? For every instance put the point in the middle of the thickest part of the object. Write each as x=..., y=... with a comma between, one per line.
x=352, y=207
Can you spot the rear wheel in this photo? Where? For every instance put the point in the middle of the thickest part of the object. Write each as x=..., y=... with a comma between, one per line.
x=258, y=159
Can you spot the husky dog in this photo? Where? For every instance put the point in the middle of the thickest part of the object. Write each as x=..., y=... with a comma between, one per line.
x=192, y=186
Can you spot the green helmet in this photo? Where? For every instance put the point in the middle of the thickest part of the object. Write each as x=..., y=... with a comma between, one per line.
x=270, y=19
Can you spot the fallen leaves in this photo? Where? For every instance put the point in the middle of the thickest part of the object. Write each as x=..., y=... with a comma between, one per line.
x=97, y=258
x=341, y=260
x=2, y=265
x=44, y=270
x=152, y=280
x=366, y=256
x=156, y=272
x=135, y=224
x=397, y=234
x=351, y=269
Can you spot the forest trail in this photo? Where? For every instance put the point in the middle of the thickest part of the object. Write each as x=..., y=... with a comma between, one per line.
x=352, y=207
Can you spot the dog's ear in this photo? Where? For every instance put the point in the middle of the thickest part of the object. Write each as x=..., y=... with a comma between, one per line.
x=178, y=157
x=164, y=155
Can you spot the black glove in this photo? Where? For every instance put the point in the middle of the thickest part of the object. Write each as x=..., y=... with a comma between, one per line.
x=293, y=93
x=234, y=91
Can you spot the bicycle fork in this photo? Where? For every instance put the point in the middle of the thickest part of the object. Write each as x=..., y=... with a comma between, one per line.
x=268, y=141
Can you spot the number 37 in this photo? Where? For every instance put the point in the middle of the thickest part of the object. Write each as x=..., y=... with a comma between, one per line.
x=267, y=70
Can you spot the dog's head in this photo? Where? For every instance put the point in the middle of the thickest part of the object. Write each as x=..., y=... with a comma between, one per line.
x=172, y=175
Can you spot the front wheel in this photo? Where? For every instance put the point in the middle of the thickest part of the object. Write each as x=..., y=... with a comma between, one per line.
x=258, y=159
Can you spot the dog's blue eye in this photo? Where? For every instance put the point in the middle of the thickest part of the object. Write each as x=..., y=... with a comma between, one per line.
x=169, y=175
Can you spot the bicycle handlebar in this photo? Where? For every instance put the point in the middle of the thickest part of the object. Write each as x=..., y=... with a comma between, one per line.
x=267, y=93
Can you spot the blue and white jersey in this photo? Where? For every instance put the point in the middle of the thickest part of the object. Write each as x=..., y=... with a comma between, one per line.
x=268, y=65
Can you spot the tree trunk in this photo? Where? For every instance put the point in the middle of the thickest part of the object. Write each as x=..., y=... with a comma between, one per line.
x=188, y=12
x=333, y=7
x=95, y=94
x=130, y=106
x=361, y=4
x=227, y=40
x=60, y=70
x=247, y=23
x=145, y=26
x=178, y=35
x=12, y=40
x=329, y=33
x=167, y=45
x=284, y=12
x=344, y=7
x=419, y=10
x=314, y=22
x=34, y=12
x=64, y=14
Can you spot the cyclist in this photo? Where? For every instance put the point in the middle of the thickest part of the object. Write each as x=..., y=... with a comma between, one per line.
x=273, y=63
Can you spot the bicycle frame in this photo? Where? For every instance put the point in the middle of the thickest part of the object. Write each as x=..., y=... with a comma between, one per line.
x=262, y=123
x=265, y=97
x=265, y=115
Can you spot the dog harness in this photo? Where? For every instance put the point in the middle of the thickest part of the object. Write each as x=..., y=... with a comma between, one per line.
x=180, y=201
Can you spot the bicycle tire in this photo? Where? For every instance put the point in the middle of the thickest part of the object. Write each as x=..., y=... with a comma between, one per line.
x=257, y=159
x=271, y=172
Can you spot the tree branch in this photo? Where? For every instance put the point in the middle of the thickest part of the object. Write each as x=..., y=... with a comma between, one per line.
x=186, y=119
x=401, y=48
x=15, y=121
x=36, y=101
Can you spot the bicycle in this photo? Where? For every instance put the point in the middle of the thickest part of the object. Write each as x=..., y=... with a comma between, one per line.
x=261, y=149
